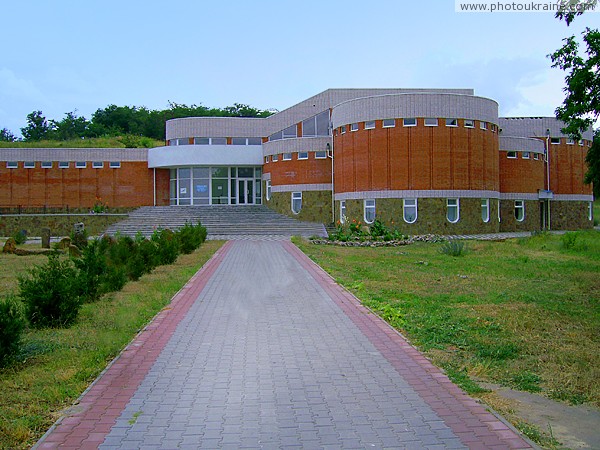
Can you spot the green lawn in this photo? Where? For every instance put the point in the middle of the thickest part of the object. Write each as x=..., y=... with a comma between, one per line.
x=522, y=313
x=56, y=365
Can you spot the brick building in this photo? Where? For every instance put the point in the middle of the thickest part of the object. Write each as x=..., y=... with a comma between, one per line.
x=433, y=160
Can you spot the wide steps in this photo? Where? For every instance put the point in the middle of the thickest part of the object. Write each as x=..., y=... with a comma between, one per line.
x=218, y=220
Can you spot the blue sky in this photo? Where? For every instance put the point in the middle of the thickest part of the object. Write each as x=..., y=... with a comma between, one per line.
x=64, y=55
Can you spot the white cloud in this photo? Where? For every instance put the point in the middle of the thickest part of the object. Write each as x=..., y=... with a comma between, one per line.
x=14, y=87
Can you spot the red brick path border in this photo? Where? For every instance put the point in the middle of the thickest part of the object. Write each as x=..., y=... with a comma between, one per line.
x=476, y=427
x=100, y=406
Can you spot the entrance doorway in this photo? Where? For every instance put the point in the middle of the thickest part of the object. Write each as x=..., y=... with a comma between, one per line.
x=245, y=192
x=545, y=214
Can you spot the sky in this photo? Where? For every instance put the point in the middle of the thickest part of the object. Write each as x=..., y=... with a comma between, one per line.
x=62, y=56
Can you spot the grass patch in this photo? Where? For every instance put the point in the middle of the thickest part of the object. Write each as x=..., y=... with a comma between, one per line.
x=55, y=366
x=101, y=142
x=521, y=313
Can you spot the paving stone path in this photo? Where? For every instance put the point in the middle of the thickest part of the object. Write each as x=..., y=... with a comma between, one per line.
x=262, y=349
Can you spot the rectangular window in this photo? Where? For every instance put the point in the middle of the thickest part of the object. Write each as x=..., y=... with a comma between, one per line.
x=485, y=209
x=238, y=141
x=520, y=210
x=63, y=164
x=431, y=122
x=268, y=189
x=29, y=164
x=453, y=210
x=97, y=164
x=320, y=155
x=287, y=157
x=302, y=155
x=591, y=210
x=12, y=165
x=483, y=125
x=266, y=160
x=296, y=202
x=526, y=155
x=183, y=141
x=354, y=127
x=201, y=141
x=275, y=158
x=290, y=132
x=218, y=141
x=343, y=129
x=389, y=123
x=369, y=125
x=369, y=211
x=555, y=140
x=254, y=141
x=536, y=156
x=469, y=123
x=173, y=142
x=511, y=155
x=409, y=122
x=46, y=164
x=451, y=122
x=114, y=164
x=343, y=211
x=409, y=208
x=570, y=141
x=581, y=143
x=80, y=164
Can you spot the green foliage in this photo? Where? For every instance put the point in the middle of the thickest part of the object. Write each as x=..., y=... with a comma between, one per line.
x=568, y=240
x=79, y=239
x=454, y=247
x=12, y=324
x=167, y=246
x=37, y=127
x=92, y=271
x=355, y=231
x=51, y=293
x=71, y=126
x=7, y=136
x=20, y=237
x=191, y=237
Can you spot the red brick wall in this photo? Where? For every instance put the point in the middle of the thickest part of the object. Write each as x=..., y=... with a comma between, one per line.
x=568, y=168
x=522, y=175
x=420, y=157
x=305, y=171
x=129, y=186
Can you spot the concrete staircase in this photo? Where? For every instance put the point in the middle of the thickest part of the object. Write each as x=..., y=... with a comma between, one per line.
x=225, y=222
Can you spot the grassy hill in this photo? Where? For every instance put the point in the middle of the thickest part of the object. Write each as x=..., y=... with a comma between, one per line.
x=102, y=142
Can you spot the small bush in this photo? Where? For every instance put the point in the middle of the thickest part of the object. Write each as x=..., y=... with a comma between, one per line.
x=79, y=239
x=453, y=247
x=12, y=324
x=191, y=237
x=51, y=293
x=92, y=271
x=167, y=246
x=20, y=237
x=569, y=240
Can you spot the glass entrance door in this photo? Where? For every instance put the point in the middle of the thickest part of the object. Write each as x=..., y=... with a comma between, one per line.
x=245, y=192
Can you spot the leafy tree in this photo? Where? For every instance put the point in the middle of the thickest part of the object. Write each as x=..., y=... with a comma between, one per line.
x=37, y=127
x=7, y=136
x=581, y=107
x=593, y=161
x=241, y=110
x=71, y=127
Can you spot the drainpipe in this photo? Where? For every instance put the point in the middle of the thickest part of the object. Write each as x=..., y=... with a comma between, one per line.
x=154, y=183
x=330, y=155
x=548, y=171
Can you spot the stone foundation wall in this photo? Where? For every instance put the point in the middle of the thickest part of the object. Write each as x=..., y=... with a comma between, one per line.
x=316, y=205
x=59, y=224
x=570, y=216
x=508, y=221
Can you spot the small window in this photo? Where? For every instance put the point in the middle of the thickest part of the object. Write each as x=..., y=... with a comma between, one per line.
x=520, y=210
x=343, y=211
x=46, y=164
x=555, y=140
x=511, y=155
x=369, y=125
x=296, y=202
x=254, y=141
x=369, y=213
x=526, y=155
x=570, y=141
x=12, y=165
x=97, y=164
x=431, y=122
x=453, y=210
x=63, y=164
x=266, y=160
x=581, y=143
x=321, y=154
x=201, y=141
x=451, y=122
x=80, y=165
x=302, y=155
x=268, y=189
x=275, y=158
x=591, y=210
x=343, y=129
x=290, y=132
x=410, y=210
x=287, y=157
x=483, y=125
x=354, y=127
x=183, y=141
x=389, y=123
x=493, y=128
x=409, y=122
x=469, y=123
x=238, y=141
x=173, y=142
x=485, y=209
x=536, y=156
x=29, y=164
x=114, y=164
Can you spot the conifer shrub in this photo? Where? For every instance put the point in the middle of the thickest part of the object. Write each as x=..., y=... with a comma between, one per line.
x=167, y=246
x=12, y=324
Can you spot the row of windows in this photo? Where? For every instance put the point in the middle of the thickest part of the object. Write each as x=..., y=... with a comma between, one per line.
x=317, y=125
x=410, y=210
x=570, y=141
x=413, y=121
x=524, y=155
x=62, y=164
x=300, y=155
x=217, y=141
